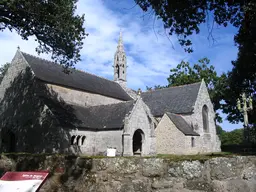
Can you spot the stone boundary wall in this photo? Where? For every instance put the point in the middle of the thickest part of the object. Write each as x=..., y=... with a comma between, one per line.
x=70, y=173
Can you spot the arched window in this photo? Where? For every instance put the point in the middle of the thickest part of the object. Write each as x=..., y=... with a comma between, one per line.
x=78, y=142
x=192, y=142
x=205, y=118
x=83, y=138
x=73, y=138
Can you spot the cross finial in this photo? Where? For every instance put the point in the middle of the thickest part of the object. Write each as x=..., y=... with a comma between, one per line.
x=18, y=47
x=120, y=37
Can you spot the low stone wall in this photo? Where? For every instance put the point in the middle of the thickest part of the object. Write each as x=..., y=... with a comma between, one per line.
x=70, y=173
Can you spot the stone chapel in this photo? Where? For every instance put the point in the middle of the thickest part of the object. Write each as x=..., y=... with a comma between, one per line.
x=44, y=110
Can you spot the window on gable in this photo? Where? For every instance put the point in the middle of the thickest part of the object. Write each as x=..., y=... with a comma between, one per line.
x=205, y=118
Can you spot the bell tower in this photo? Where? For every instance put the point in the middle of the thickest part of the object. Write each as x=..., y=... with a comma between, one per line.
x=120, y=64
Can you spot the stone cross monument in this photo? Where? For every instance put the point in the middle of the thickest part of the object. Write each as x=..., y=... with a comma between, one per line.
x=245, y=110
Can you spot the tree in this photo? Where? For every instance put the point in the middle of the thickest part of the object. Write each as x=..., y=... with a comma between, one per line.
x=185, y=74
x=242, y=77
x=234, y=137
x=184, y=17
x=53, y=23
x=155, y=87
x=3, y=70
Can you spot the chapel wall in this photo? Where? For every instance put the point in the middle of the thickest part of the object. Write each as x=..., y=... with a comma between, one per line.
x=168, y=137
x=17, y=66
x=82, y=98
x=170, y=140
x=97, y=142
x=26, y=122
x=209, y=141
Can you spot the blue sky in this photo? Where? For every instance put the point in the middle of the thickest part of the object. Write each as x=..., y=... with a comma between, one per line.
x=151, y=53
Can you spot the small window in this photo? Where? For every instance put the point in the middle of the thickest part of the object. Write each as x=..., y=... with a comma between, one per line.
x=205, y=118
x=192, y=142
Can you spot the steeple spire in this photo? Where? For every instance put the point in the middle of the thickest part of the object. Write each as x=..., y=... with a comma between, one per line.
x=120, y=46
x=120, y=64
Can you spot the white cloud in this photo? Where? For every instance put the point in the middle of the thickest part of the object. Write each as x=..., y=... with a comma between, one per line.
x=150, y=55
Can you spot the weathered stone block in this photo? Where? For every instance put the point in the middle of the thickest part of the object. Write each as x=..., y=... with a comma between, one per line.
x=153, y=167
x=186, y=169
x=224, y=168
x=168, y=183
x=198, y=185
x=122, y=165
x=249, y=173
x=236, y=185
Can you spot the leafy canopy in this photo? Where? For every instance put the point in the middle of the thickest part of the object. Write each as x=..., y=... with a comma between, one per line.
x=184, y=17
x=242, y=78
x=53, y=23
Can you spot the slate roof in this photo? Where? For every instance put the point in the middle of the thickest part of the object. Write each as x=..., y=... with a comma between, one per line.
x=103, y=116
x=53, y=73
x=179, y=100
x=182, y=125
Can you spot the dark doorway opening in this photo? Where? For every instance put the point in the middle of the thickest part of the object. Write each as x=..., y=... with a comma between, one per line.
x=9, y=141
x=137, y=142
x=12, y=142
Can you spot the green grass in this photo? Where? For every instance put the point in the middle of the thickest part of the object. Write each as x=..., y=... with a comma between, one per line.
x=200, y=157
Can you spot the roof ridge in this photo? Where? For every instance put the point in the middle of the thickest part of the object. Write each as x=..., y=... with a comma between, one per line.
x=131, y=101
x=172, y=87
x=71, y=68
x=96, y=75
x=83, y=106
x=39, y=58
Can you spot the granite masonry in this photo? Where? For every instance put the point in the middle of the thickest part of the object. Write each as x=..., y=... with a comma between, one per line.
x=78, y=174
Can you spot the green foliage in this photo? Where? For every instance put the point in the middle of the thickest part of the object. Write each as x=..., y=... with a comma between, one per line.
x=185, y=74
x=53, y=23
x=184, y=17
x=234, y=137
x=3, y=70
x=242, y=78
x=155, y=87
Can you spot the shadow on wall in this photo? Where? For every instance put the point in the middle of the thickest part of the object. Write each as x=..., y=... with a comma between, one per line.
x=33, y=118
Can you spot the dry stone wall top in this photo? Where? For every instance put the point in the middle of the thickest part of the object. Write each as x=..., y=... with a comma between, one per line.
x=71, y=173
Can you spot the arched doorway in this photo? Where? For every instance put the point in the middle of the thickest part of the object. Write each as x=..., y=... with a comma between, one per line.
x=137, y=141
